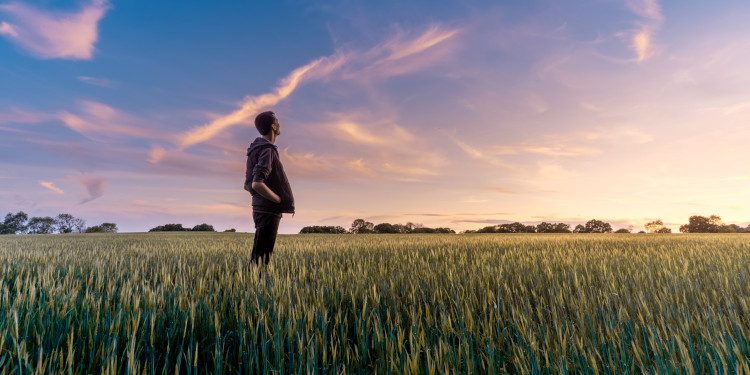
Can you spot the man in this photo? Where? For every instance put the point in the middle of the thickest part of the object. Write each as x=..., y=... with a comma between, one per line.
x=266, y=181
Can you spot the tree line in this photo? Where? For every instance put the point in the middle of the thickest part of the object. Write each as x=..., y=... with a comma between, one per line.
x=179, y=228
x=696, y=224
x=21, y=223
x=362, y=226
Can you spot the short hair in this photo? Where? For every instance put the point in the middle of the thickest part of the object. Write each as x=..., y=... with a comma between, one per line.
x=263, y=122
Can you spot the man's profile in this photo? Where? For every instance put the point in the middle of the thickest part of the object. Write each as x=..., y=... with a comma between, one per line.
x=266, y=181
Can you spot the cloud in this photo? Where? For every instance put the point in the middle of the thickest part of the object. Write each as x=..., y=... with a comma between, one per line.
x=478, y=154
x=103, y=82
x=400, y=49
x=395, y=50
x=308, y=165
x=555, y=172
x=403, y=54
x=94, y=185
x=649, y=9
x=359, y=166
x=51, y=186
x=96, y=120
x=7, y=29
x=50, y=35
x=504, y=190
x=16, y=116
x=156, y=154
x=254, y=104
x=552, y=150
x=642, y=39
x=350, y=130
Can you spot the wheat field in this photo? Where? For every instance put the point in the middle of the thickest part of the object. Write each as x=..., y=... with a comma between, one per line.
x=158, y=303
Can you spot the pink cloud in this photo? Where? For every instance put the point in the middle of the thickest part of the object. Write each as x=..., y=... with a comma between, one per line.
x=94, y=186
x=642, y=40
x=50, y=35
x=103, y=82
x=98, y=121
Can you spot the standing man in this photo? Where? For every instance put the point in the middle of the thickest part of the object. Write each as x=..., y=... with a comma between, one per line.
x=266, y=181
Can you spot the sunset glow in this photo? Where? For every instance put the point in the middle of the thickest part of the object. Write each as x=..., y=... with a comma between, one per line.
x=455, y=115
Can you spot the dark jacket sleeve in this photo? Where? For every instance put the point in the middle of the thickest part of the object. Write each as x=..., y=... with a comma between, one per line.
x=263, y=168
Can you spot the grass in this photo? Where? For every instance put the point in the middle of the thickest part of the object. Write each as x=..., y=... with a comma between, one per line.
x=551, y=304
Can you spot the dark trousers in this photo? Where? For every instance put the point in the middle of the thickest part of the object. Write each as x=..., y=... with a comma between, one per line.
x=266, y=228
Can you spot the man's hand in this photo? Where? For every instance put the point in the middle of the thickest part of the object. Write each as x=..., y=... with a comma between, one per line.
x=265, y=192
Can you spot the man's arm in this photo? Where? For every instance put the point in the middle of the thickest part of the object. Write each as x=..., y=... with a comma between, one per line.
x=265, y=191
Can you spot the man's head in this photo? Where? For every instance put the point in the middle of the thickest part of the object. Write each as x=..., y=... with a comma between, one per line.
x=266, y=123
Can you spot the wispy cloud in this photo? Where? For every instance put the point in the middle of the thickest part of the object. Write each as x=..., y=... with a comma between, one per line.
x=51, y=186
x=401, y=48
x=350, y=130
x=94, y=186
x=50, y=34
x=478, y=154
x=103, y=82
x=395, y=50
x=552, y=150
x=254, y=104
x=97, y=120
x=642, y=39
x=17, y=116
x=404, y=53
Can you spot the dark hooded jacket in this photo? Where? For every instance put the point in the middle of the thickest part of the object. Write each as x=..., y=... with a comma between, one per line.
x=263, y=165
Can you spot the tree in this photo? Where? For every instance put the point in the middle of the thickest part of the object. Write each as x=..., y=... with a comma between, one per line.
x=360, y=226
x=64, y=223
x=41, y=225
x=701, y=224
x=385, y=228
x=203, y=228
x=322, y=229
x=96, y=229
x=664, y=230
x=110, y=227
x=598, y=226
x=168, y=228
x=487, y=229
x=14, y=223
x=654, y=226
x=230, y=230
x=623, y=230
x=593, y=226
x=515, y=228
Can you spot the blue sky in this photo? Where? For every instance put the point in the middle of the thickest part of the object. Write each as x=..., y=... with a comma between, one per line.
x=457, y=114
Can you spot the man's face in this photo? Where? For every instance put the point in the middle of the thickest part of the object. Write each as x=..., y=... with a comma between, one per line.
x=275, y=127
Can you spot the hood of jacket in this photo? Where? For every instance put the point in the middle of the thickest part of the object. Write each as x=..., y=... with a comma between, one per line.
x=259, y=143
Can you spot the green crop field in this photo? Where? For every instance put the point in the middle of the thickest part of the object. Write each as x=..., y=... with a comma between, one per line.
x=184, y=303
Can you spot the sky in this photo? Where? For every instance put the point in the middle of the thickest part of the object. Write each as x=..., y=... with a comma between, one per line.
x=448, y=114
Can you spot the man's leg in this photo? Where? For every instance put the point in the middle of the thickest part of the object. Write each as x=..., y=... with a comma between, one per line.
x=266, y=227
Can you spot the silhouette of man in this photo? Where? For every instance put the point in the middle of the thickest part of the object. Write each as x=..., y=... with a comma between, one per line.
x=266, y=181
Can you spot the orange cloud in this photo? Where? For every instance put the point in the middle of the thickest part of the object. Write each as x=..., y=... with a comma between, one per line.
x=351, y=131
x=51, y=186
x=642, y=40
x=51, y=35
x=254, y=104
x=359, y=166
